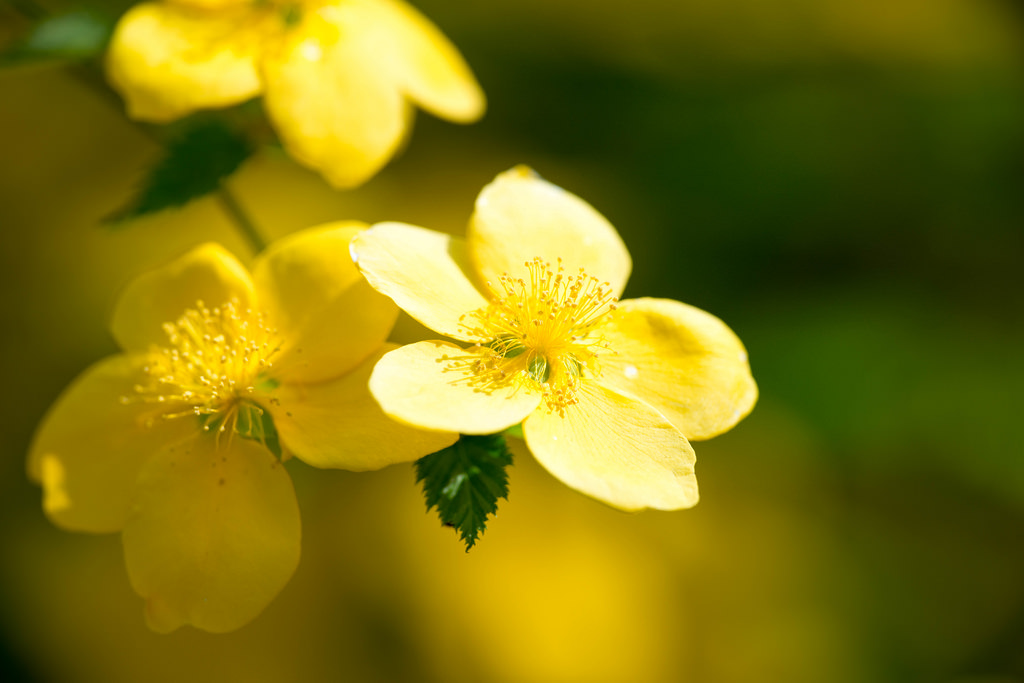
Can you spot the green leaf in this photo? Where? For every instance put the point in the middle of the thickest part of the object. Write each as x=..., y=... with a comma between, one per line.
x=193, y=166
x=79, y=34
x=465, y=481
x=516, y=431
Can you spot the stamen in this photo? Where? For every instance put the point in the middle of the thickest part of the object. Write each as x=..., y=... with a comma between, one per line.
x=213, y=362
x=542, y=329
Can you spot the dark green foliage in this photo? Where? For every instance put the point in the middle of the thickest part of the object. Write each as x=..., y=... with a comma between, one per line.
x=465, y=481
x=76, y=35
x=193, y=165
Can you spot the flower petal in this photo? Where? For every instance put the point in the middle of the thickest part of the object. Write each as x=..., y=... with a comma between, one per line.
x=214, y=5
x=520, y=216
x=213, y=536
x=425, y=272
x=327, y=314
x=330, y=100
x=615, y=449
x=683, y=361
x=208, y=273
x=90, y=446
x=339, y=424
x=169, y=61
x=423, y=62
x=428, y=385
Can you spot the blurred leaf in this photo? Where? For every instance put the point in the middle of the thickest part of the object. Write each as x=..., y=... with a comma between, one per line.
x=78, y=34
x=465, y=481
x=193, y=166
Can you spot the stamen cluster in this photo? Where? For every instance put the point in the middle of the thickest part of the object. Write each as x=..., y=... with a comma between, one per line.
x=211, y=366
x=542, y=330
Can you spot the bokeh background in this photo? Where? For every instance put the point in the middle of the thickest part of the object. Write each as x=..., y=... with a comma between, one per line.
x=841, y=181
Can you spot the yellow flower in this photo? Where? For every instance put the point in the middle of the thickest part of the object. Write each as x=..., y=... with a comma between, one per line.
x=170, y=441
x=336, y=76
x=608, y=392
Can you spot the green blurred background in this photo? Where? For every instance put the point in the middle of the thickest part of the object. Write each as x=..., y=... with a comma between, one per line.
x=842, y=181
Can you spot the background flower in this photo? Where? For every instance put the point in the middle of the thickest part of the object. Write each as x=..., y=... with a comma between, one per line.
x=337, y=77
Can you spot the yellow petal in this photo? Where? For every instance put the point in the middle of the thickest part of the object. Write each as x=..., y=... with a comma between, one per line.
x=90, y=446
x=169, y=61
x=213, y=535
x=339, y=424
x=684, y=362
x=424, y=272
x=207, y=273
x=423, y=62
x=328, y=100
x=429, y=385
x=520, y=216
x=615, y=449
x=215, y=5
x=328, y=316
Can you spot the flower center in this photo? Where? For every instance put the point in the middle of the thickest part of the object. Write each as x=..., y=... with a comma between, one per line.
x=542, y=330
x=215, y=362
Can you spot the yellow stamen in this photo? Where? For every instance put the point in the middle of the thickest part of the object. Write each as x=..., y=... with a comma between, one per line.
x=212, y=366
x=541, y=331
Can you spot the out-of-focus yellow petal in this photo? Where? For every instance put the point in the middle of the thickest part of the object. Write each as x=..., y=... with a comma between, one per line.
x=684, y=362
x=425, y=272
x=339, y=424
x=328, y=100
x=422, y=61
x=213, y=535
x=169, y=61
x=429, y=385
x=615, y=449
x=90, y=446
x=208, y=273
x=215, y=5
x=519, y=216
x=328, y=316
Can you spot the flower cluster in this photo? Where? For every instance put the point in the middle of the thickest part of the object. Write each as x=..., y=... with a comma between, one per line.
x=180, y=441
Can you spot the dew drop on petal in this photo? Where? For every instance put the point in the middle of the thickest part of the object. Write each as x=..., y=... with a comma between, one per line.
x=630, y=371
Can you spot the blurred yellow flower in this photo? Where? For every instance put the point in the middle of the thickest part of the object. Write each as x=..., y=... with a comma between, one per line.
x=171, y=441
x=336, y=76
x=608, y=393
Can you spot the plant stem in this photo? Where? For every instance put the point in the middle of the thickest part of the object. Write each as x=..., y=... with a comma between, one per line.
x=92, y=77
x=241, y=219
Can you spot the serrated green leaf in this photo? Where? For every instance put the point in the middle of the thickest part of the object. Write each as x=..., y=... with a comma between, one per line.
x=79, y=34
x=465, y=481
x=193, y=166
